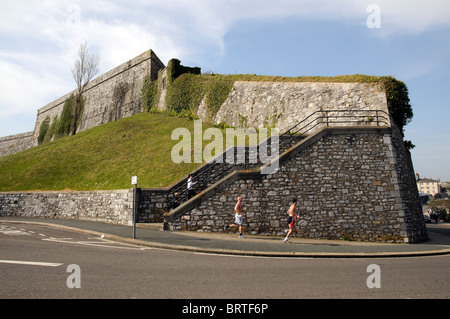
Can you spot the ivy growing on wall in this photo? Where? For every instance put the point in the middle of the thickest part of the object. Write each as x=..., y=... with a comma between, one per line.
x=43, y=129
x=63, y=125
x=65, y=121
x=186, y=87
x=175, y=69
x=150, y=96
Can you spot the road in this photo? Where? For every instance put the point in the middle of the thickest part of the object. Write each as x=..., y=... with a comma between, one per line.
x=42, y=262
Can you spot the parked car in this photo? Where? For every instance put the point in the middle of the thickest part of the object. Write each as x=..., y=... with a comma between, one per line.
x=427, y=218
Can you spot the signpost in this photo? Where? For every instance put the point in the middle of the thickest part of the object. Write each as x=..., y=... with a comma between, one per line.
x=134, y=182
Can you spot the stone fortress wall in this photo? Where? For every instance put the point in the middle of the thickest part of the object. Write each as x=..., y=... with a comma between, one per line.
x=16, y=143
x=250, y=104
x=284, y=104
x=353, y=181
x=102, y=105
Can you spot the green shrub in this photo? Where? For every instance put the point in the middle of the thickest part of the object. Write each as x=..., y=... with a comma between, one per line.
x=217, y=92
x=398, y=101
x=43, y=129
x=175, y=69
x=149, y=93
x=186, y=93
x=65, y=120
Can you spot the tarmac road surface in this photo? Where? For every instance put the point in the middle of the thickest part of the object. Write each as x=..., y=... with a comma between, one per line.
x=38, y=261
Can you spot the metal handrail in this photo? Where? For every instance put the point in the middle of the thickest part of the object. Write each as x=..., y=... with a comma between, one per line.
x=206, y=175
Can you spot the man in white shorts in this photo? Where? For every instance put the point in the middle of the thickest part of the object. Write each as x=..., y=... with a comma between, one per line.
x=238, y=222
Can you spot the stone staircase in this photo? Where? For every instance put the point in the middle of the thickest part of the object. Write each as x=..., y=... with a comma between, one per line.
x=212, y=174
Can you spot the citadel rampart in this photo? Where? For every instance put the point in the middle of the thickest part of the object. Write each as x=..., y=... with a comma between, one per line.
x=284, y=104
x=352, y=180
x=16, y=143
x=111, y=96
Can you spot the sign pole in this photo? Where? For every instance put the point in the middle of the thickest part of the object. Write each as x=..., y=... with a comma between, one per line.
x=134, y=182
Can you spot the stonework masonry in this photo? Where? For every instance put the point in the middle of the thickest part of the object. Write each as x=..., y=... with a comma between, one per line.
x=102, y=106
x=113, y=207
x=284, y=104
x=117, y=94
x=355, y=183
x=352, y=181
x=111, y=96
x=16, y=143
x=347, y=185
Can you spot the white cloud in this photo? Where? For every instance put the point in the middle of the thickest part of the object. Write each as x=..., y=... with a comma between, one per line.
x=39, y=39
x=412, y=17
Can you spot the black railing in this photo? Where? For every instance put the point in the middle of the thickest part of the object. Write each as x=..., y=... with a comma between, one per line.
x=222, y=164
x=333, y=118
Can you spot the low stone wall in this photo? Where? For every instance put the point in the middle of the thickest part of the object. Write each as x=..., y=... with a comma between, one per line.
x=152, y=204
x=103, y=206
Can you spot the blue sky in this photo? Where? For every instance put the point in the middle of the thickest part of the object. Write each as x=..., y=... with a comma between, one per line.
x=39, y=42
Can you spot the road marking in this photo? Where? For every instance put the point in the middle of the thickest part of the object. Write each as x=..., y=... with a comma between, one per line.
x=14, y=232
x=250, y=256
x=30, y=263
x=98, y=244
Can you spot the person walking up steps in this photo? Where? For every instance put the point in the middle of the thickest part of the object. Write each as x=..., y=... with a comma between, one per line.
x=238, y=222
x=190, y=187
x=292, y=212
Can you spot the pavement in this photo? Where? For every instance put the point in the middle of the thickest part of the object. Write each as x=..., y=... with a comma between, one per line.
x=229, y=243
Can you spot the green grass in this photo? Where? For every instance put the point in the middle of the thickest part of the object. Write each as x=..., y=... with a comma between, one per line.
x=352, y=78
x=101, y=158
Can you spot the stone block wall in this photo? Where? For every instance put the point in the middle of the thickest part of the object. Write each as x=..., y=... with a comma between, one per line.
x=284, y=104
x=355, y=183
x=348, y=183
x=407, y=186
x=103, y=206
x=111, y=96
x=152, y=204
x=16, y=143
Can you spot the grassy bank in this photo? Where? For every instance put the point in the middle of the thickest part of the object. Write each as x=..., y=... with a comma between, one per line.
x=101, y=158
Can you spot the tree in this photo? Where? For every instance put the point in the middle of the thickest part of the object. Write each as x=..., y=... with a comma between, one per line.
x=85, y=68
x=399, y=104
x=442, y=207
x=398, y=101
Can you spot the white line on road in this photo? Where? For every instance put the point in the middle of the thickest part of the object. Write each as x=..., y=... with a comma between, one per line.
x=98, y=244
x=30, y=263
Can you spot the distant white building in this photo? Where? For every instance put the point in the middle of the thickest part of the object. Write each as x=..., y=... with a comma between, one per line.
x=429, y=186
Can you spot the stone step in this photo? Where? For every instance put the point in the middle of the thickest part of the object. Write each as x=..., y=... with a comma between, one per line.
x=152, y=226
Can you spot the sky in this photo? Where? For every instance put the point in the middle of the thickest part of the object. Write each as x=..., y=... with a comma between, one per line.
x=407, y=39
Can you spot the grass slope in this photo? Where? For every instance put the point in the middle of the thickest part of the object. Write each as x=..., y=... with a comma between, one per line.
x=101, y=158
